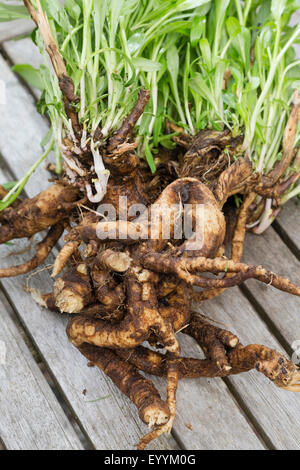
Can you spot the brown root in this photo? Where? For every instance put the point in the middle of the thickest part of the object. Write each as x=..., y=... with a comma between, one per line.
x=282, y=372
x=238, y=178
x=288, y=145
x=267, y=361
x=43, y=250
x=37, y=214
x=133, y=281
x=203, y=146
x=183, y=267
x=102, y=312
x=152, y=410
x=175, y=307
x=63, y=257
x=127, y=127
x=173, y=378
x=73, y=292
x=237, y=246
x=143, y=319
x=65, y=83
x=213, y=341
x=129, y=186
x=106, y=290
x=166, y=214
x=103, y=232
x=155, y=363
x=113, y=261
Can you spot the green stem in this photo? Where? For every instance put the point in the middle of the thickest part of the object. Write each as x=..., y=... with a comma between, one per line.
x=239, y=12
x=266, y=89
x=17, y=189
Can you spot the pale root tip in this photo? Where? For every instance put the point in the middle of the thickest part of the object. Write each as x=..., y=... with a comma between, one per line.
x=68, y=302
x=154, y=417
x=37, y=297
x=119, y=262
x=234, y=342
x=55, y=272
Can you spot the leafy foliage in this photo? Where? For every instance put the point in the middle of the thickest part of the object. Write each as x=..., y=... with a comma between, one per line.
x=180, y=50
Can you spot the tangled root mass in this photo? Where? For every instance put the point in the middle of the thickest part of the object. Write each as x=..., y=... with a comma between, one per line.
x=125, y=285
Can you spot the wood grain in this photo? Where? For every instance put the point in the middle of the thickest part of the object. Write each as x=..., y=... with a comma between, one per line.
x=287, y=225
x=275, y=411
x=15, y=28
x=31, y=417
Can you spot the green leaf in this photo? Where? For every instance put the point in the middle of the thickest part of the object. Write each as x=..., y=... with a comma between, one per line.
x=206, y=52
x=31, y=75
x=73, y=9
x=278, y=8
x=12, y=12
x=8, y=186
x=115, y=7
x=149, y=157
x=56, y=11
x=198, y=84
x=253, y=84
x=47, y=138
x=190, y=4
x=173, y=63
x=198, y=29
x=146, y=65
x=233, y=26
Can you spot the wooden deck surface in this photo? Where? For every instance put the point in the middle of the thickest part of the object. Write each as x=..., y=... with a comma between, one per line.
x=42, y=405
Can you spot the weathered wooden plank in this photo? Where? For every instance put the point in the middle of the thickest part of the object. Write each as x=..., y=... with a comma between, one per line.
x=15, y=28
x=277, y=412
x=24, y=51
x=287, y=225
x=258, y=403
x=207, y=405
x=22, y=141
x=31, y=417
x=2, y=447
x=282, y=309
